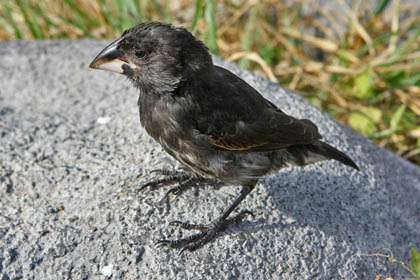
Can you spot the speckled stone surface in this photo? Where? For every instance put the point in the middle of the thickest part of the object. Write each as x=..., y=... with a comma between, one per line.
x=73, y=156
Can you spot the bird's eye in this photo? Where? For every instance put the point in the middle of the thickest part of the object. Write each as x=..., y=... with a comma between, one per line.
x=140, y=53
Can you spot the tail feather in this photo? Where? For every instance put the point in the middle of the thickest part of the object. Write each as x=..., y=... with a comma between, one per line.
x=328, y=151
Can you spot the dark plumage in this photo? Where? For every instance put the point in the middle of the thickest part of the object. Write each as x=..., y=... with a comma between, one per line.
x=208, y=118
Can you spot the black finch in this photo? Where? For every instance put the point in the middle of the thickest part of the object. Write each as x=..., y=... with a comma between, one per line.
x=208, y=119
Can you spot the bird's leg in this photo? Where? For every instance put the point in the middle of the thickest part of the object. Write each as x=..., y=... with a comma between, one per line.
x=184, y=179
x=208, y=232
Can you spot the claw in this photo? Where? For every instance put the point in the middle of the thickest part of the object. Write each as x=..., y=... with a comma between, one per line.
x=157, y=171
x=175, y=223
x=239, y=217
x=167, y=194
x=162, y=242
x=165, y=242
x=182, y=251
x=152, y=184
x=145, y=186
x=250, y=213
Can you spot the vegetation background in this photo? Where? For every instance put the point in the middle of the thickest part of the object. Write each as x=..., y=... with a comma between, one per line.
x=357, y=60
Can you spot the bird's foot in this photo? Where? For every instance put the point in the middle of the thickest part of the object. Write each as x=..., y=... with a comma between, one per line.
x=184, y=179
x=206, y=234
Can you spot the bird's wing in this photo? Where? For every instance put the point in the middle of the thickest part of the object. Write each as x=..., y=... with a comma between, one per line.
x=270, y=132
x=240, y=119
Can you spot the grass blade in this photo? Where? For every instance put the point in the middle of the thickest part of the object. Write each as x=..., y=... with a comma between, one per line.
x=27, y=12
x=211, y=21
x=126, y=13
x=381, y=5
x=400, y=51
x=78, y=25
x=43, y=12
x=167, y=12
x=395, y=120
x=375, y=42
x=197, y=15
x=415, y=262
x=83, y=19
x=158, y=8
x=249, y=36
x=18, y=32
x=137, y=12
x=109, y=17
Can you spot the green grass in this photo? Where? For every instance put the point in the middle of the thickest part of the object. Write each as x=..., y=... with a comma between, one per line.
x=359, y=64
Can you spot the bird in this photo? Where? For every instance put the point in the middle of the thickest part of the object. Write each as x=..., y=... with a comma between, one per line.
x=208, y=119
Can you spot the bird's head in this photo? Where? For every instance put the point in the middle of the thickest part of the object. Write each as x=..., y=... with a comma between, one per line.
x=156, y=57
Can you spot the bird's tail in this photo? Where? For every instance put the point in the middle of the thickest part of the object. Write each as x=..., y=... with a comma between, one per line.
x=328, y=151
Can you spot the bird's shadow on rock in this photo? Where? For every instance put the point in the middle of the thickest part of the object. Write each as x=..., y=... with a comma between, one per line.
x=338, y=206
x=325, y=202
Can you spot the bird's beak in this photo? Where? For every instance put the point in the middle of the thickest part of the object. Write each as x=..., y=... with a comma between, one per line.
x=112, y=59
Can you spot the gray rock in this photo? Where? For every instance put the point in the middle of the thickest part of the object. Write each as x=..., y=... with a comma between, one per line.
x=73, y=156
